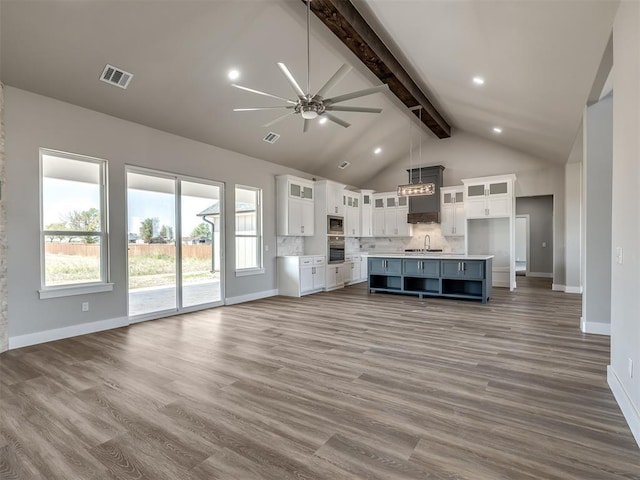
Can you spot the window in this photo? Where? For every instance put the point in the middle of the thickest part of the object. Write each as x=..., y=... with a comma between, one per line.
x=248, y=229
x=73, y=224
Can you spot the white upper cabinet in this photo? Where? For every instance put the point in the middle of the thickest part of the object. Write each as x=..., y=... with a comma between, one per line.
x=335, y=202
x=351, y=202
x=489, y=197
x=366, y=213
x=453, y=216
x=390, y=215
x=295, y=197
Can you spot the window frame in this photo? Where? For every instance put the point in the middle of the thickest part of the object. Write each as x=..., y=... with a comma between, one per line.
x=259, y=238
x=103, y=285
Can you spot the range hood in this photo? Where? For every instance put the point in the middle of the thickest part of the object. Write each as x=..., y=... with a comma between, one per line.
x=425, y=208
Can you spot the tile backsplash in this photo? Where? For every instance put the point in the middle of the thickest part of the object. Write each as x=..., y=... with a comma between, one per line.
x=418, y=231
x=295, y=245
x=289, y=246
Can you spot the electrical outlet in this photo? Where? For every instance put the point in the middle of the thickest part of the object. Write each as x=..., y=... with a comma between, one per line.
x=85, y=306
x=630, y=368
x=544, y=244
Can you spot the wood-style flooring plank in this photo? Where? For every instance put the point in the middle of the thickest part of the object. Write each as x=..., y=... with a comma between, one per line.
x=338, y=386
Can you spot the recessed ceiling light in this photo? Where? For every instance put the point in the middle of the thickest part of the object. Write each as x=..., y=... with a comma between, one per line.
x=497, y=130
x=233, y=74
x=323, y=120
x=377, y=150
x=478, y=80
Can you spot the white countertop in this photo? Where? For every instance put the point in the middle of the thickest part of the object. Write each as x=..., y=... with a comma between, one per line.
x=433, y=256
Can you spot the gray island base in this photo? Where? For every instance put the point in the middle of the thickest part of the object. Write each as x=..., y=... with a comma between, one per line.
x=445, y=275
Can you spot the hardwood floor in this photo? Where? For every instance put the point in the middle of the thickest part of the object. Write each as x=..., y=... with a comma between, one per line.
x=340, y=385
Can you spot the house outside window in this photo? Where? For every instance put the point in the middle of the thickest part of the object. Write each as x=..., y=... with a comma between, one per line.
x=248, y=230
x=73, y=226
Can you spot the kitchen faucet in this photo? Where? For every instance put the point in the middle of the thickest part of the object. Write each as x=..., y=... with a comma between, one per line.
x=424, y=246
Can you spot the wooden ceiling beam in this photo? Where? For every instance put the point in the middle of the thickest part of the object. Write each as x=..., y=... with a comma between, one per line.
x=350, y=27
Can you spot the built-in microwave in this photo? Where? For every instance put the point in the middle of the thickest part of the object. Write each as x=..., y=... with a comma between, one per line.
x=336, y=249
x=335, y=225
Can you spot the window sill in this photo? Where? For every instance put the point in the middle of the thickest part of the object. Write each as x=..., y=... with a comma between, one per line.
x=249, y=271
x=70, y=290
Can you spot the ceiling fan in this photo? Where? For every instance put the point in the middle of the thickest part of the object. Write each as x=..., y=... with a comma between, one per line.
x=312, y=106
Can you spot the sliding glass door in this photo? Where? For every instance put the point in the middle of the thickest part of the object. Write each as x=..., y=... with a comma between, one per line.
x=200, y=259
x=174, y=243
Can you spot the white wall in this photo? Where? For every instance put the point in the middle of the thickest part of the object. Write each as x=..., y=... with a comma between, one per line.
x=573, y=226
x=33, y=121
x=465, y=155
x=625, y=223
x=4, y=319
x=598, y=151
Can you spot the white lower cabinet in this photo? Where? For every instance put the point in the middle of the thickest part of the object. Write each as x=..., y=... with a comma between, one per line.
x=353, y=269
x=364, y=269
x=301, y=275
x=335, y=276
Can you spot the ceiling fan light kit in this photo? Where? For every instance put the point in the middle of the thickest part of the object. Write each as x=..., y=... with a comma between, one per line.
x=311, y=106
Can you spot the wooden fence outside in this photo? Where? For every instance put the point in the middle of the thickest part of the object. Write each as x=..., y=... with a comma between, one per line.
x=93, y=250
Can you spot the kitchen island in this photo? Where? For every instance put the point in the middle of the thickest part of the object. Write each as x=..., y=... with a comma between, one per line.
x=428, y=274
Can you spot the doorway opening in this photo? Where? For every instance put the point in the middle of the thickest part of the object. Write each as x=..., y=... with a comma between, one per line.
x=522, y=244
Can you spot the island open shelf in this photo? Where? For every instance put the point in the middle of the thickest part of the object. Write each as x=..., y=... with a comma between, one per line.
x=464, y=276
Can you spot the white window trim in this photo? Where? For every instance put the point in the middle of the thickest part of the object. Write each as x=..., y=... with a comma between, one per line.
x=103, y=285
x=245, y=272
x=242, y=272
x=70, y=290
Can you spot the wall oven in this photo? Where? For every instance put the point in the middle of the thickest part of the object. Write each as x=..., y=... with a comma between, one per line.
x=335, y=225
x=336, y=249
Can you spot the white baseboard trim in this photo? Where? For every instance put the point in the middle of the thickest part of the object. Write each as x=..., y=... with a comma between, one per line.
x=540, y=274
x=596, y=328
x=249, y=297
x=629, y=410
x=565, y=288
x=66, y=332
x=501, y=284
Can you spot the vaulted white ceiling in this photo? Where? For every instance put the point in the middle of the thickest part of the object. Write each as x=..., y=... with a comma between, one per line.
x=538, y=58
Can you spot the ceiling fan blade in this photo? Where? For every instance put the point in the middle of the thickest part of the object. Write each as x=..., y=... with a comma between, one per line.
x=338, y=108
x=292, y=81
x=358, y=94
x=263, y=93
x=333, y=81
x=337, y=120
x=305, y=126
x=273, y=122
x=253, y=109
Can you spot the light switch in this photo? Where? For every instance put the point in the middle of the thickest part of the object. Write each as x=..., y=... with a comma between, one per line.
x=619, y=255
x=544, y=244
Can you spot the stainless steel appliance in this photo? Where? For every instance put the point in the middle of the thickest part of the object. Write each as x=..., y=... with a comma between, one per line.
x=336, y=249
x=335, y=225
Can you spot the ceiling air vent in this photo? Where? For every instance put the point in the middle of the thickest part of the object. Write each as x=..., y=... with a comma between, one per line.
x=343, y=165
x=115, y=76
x=271, y=137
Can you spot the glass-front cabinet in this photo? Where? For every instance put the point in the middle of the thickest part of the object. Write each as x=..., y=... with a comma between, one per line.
x=489, y=197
